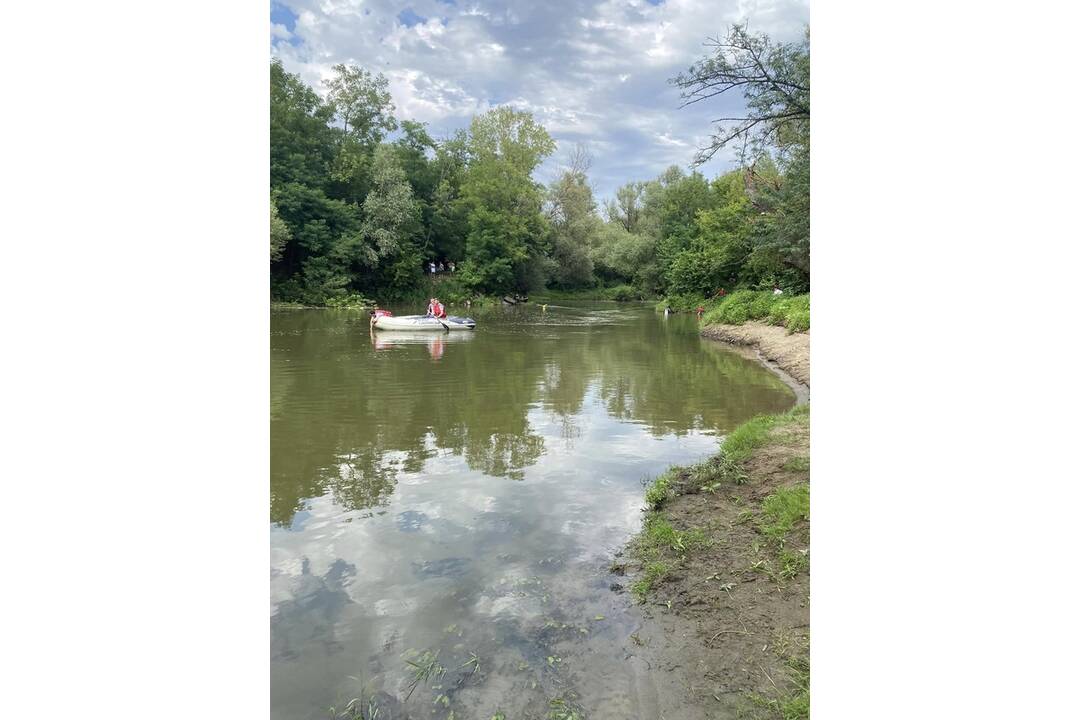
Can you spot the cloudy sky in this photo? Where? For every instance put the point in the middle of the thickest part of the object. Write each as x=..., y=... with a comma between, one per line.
x=592, y=72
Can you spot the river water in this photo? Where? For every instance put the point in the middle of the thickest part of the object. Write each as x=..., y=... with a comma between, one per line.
x=459, y=497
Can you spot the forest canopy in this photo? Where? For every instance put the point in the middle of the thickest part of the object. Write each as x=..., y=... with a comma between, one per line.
x=362, y=202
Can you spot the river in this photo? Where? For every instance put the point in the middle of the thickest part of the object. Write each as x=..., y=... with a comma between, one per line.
x=456, y=500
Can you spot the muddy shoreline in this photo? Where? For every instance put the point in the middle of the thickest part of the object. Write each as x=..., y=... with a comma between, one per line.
x=725, y=631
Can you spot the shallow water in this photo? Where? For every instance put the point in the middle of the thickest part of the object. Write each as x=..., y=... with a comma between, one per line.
x=464, y=493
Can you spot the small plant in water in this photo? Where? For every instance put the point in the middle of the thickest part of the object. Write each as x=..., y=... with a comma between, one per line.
x=473, y=662
x=424, y=669
x=357, y=709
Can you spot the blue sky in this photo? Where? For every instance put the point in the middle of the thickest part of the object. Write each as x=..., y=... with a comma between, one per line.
x=591, y=72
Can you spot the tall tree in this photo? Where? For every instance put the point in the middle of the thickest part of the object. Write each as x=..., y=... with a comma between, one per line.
x=774, y=79
x=625, y=209
x=571, y=211
x=391, y=214
x=361, y=103
x=508, y=234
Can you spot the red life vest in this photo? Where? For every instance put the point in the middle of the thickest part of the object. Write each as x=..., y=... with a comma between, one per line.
x=437, y=310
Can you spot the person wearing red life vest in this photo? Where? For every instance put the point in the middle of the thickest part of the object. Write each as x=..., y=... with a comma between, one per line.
x=435, y=308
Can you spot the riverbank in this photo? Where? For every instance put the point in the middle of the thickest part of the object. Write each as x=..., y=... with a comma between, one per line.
x=789, y=351
x=721, y=568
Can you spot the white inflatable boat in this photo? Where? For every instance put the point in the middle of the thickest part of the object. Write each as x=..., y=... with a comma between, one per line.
x=423, y=322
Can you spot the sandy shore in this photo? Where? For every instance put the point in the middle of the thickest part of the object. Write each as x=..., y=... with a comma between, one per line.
x=791, y=353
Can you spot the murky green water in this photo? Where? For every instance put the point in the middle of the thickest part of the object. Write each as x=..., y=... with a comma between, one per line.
x=464, y=494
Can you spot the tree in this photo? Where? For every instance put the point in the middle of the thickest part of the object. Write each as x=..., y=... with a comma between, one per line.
x=774, y=80
x=625, y=209
x=301, y=143
x=279, y=233
x=361, y=102
x=571, y=211
x=621, y=256
x=507, y=234
x=391, y=215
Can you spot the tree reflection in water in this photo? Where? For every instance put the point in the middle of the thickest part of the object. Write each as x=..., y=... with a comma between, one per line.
x=352, y=410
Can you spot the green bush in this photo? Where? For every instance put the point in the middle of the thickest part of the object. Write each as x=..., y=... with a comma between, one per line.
x=621, y=293
x=790, y=311
x=350, y=300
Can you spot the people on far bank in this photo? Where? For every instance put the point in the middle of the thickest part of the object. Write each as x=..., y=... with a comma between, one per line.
x=440, y=266
x=435, y=309
x=776, y=290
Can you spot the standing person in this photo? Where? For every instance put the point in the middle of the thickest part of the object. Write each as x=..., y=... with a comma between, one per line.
x=442, y=268
x=452, y=266
x=700, y=310
x=431, y=267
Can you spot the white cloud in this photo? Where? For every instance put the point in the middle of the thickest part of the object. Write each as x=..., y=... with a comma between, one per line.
x=591, y=71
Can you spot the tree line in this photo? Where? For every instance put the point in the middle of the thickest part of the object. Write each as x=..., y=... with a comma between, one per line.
x=354, y=212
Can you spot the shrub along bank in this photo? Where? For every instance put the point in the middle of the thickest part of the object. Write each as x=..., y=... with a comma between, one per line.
x=790, y=311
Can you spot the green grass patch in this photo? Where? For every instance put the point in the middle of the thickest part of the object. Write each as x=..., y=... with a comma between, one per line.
x=654, y=573
x=658, y=537
x=797, y=464
x=781, y=510
x=756, y=432
x=660, y=490
x=790, y=311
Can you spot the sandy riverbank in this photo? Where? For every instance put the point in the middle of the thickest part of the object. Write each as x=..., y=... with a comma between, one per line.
x=791, y=353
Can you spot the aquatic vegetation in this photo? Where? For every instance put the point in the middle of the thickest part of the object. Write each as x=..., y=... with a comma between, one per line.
x=357, y=709
x=425, y=669
x=560, y=709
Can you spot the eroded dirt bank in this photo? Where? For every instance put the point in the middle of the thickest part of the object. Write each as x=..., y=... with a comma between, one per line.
x=790, y=352
x=722, y=571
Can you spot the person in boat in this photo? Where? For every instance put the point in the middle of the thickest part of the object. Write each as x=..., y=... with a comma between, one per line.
x=435, y=309
x=378, y=313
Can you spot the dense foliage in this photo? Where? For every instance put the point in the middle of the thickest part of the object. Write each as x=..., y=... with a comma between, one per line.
x=362, y=203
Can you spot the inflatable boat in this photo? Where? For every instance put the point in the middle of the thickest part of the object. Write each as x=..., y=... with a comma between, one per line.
x=422, y=322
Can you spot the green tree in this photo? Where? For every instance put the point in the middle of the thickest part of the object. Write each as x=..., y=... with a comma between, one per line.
x=279, y=233
x=571, y=210
x=508, y=236
x=774, y=79
x=626, y=208
x=361, y=103
x=620, y=256
x=391, y=215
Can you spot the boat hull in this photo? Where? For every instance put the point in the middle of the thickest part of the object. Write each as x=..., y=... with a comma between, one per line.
x=423, y=322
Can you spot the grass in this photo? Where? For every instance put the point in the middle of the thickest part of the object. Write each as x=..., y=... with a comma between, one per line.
x=654, y=573
x=797, y=464
x=662, y=547
x=660, y=490
x=793, y=701
x=754, y=433
x=790, y=311
x=424, y=669
x=357, y=709
x=781, y=510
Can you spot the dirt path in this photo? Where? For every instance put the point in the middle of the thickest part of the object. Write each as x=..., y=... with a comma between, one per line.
x=790, y=352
